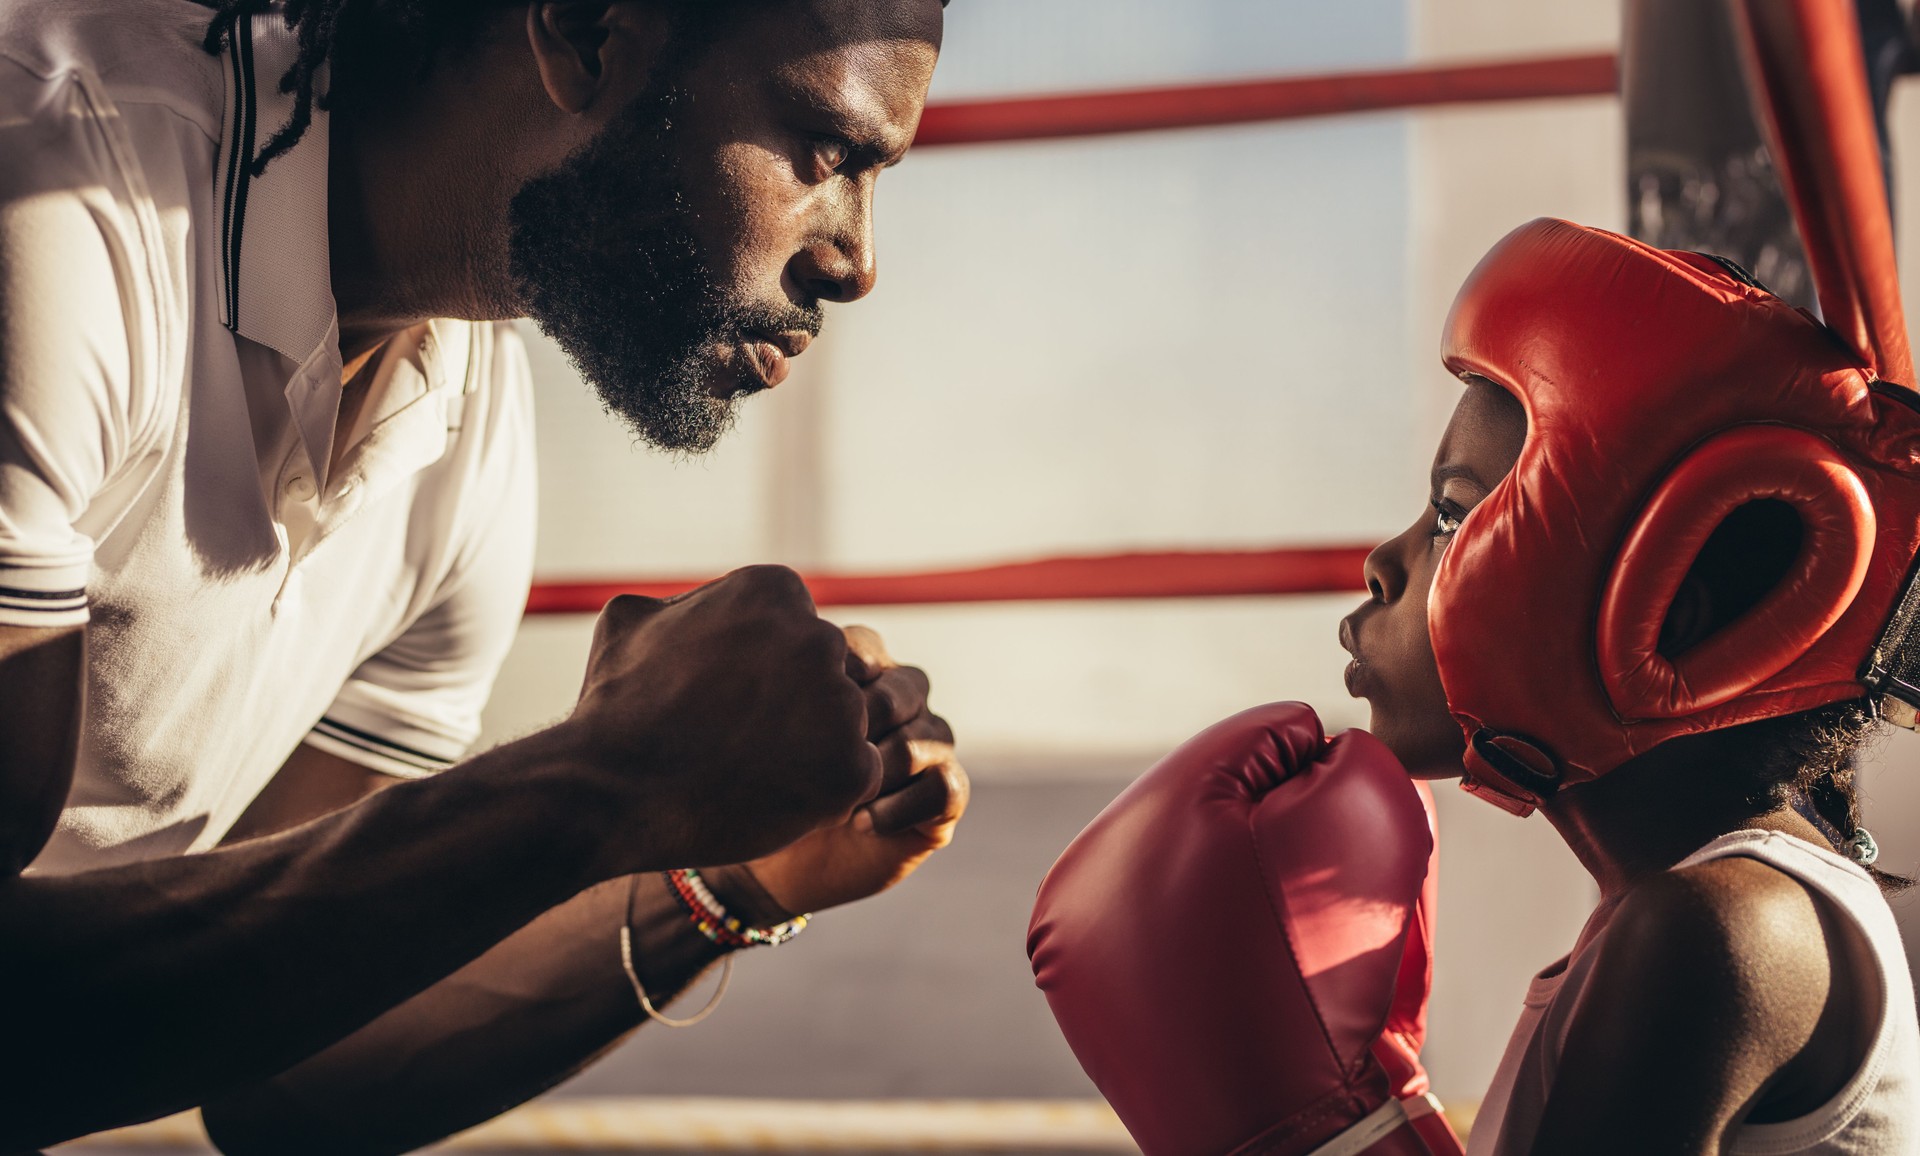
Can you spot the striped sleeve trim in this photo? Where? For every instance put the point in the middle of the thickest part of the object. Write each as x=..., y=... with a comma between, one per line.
x=43, y=601
x=384, y=754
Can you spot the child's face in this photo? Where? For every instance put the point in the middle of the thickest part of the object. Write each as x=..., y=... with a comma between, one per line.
x=1393, y=666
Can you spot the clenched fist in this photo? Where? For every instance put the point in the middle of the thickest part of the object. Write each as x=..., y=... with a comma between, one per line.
x=725, y=720
x=922, y=795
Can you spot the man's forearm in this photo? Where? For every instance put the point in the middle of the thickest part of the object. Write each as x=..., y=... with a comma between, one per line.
x=132, y=991
x=508, y=1026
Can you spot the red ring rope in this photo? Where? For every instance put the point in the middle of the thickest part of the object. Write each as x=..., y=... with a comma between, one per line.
x=1283, y=98
x=1183, y=574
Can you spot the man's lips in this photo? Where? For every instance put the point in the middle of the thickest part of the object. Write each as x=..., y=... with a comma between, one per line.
x=772, y=355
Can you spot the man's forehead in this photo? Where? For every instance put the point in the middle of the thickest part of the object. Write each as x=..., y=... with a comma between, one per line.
x=888, y=77
x=845, y=22
x=874, y=85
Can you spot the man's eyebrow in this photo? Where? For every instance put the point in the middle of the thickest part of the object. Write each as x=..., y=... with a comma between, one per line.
x=866, y=133
x=1444, y=474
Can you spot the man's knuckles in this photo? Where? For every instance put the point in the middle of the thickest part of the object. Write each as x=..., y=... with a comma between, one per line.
x=867, y=656
x=959, y=793
x=925, y=742
x=853, y=781
x=896, y=761
x=774, y=587
x=626, y=609
x=932, y=801
x=895, y=698
x=930, y=728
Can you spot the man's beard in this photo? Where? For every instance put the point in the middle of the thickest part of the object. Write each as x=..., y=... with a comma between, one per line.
x=607, y=264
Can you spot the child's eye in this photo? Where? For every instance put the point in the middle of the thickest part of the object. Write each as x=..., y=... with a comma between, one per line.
x=1445, y=521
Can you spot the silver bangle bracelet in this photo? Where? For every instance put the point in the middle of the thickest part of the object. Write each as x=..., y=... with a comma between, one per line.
x=646, y=1002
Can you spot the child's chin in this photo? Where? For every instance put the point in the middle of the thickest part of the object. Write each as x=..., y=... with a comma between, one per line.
x=1425, y=755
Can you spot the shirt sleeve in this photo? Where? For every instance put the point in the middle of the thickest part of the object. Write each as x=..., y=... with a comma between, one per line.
x=76, y=326
x=414, y=708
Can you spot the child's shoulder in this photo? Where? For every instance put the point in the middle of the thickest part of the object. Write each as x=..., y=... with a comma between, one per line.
x=1728, y=936
x=1733, y=908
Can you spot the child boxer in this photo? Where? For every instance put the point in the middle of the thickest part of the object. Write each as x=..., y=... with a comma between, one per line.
x=1660, y=592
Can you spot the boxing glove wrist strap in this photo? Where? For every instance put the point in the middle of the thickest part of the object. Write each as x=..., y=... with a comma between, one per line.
x=1376, y=1126
x=717, y=924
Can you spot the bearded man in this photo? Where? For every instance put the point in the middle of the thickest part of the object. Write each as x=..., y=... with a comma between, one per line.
x=266, y=510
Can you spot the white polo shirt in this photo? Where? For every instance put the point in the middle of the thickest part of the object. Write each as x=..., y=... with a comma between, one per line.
x=169, y=388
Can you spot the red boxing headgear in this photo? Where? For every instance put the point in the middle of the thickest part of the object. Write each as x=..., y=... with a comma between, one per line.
x=1663, y=391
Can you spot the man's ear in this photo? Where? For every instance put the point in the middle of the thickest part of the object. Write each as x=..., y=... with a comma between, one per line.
x=584, y=48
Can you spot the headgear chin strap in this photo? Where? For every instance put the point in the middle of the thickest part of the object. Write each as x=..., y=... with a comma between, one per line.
x=1663, y=391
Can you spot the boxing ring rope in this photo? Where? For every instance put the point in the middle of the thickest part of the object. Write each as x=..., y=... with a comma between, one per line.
x=1167, y=574
x=724, y=1124
x=1253, y=101
x=1185, y=574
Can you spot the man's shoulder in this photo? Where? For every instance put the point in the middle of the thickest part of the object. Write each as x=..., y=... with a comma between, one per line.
x=131, y=52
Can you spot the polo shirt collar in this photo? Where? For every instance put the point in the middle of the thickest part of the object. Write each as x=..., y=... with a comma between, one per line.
x=276, y=286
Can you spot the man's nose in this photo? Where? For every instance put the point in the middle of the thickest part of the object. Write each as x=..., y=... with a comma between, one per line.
x=839, y=265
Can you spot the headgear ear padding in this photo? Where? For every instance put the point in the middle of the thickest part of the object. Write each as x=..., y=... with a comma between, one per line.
x=1662, y=393
x=1749, y=464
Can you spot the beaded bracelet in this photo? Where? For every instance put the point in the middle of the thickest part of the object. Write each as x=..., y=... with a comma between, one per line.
x=711, y=916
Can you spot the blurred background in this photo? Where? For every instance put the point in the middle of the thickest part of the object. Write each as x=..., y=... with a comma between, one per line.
x=1207, y=338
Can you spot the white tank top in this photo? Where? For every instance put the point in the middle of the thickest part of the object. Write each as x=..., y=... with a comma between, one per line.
x=1876, y=1114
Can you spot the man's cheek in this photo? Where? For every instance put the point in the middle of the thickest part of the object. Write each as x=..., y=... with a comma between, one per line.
x=757, y=198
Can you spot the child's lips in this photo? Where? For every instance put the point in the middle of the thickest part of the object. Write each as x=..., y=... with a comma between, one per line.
x=1357, y=671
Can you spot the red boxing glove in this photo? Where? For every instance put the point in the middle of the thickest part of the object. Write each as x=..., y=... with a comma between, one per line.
x=1405, y=1034
x=1224, y=946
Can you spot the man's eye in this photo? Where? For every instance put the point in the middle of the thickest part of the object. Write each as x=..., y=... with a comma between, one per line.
x=1444, y=522
x=828, y=156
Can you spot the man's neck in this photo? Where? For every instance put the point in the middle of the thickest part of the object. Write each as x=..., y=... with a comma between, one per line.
x=418, y=187
x=386, y=237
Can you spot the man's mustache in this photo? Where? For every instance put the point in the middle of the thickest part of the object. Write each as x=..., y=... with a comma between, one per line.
x=777, y=319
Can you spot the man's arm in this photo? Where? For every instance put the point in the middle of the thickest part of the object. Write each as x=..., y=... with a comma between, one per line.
x=553, y=997
x=136, y=990
x=523, y=1016
x=41, y=671
x=133, y=991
